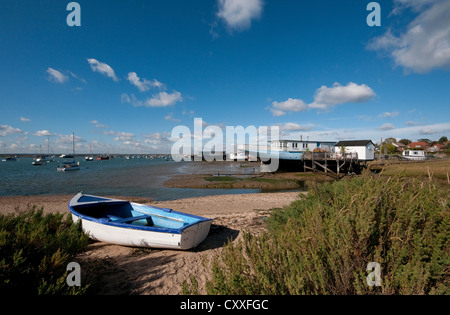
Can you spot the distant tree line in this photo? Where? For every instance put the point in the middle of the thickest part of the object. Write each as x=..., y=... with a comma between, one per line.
x=388, y=144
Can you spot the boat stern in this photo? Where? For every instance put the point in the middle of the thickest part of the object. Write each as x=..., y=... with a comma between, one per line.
x=192, y=236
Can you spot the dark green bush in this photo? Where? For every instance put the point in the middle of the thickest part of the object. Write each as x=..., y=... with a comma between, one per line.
x=35, y=250
x=323, y=243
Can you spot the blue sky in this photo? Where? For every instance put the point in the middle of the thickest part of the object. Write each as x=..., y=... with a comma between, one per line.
x=136, y=69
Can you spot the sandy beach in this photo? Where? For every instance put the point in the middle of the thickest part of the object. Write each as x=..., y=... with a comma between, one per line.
x=123, y=270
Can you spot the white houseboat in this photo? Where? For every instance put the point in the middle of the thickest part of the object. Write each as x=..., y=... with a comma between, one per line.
x=417, y=155
x=293, y=149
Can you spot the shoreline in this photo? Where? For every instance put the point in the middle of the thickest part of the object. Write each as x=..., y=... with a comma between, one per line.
x=263, y=181
x=119, y=270
x=215, y=204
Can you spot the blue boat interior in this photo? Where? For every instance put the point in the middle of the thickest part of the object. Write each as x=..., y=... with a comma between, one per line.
x=124, y=212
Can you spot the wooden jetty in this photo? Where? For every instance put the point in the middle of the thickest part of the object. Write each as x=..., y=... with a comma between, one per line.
x=332, y=164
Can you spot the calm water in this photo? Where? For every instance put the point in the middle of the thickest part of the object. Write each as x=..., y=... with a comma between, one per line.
x=120, y=177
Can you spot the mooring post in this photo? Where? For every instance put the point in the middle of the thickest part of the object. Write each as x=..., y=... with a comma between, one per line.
x=312, y=161
x=338, y=165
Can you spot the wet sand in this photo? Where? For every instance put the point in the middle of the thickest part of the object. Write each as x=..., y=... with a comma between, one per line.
x=123, y=270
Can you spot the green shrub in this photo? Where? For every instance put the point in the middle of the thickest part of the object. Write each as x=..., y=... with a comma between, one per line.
x=35, y=250
x=323, y=243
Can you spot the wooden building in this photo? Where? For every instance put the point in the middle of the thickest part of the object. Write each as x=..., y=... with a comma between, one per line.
x=365, y=149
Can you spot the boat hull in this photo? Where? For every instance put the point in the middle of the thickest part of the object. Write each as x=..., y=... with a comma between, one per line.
x=164, y=237
x=279, y=155
x=68, y=169
x=413, y=158
x=188, y=239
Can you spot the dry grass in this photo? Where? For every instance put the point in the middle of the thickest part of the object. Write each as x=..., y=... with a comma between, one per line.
x=438, y=170
x=323, y=243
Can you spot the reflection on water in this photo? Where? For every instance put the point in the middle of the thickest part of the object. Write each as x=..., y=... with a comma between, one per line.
x=119, y=177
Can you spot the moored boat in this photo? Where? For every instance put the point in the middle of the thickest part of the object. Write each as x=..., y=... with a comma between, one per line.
x=415, y=155
x=37, y=161
x=10, y=159
x=72, y=165
x=67, y=156
x=69, y=166
x=131, y=224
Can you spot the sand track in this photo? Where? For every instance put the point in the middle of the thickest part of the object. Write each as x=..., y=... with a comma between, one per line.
x=122, y=270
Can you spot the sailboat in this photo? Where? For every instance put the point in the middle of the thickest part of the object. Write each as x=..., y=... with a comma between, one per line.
x=48, y=158
x=89, y=157
x=38, y=160
x=72, y=165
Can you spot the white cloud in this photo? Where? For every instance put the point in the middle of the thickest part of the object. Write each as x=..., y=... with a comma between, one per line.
x=144, y=84
x=437, y=129
x=119, y=135
x=190, y=113
x=416, y=5
x=171, y=118
x=294, y=127
x=131, y=99
x=325, y=98
x=7, y=130
x=43, y=133
x=238, y=14
x=157, y=138
x=56, y=76
x=291, y=105
x=386, y=126
x=68, y=139
x=23, y=119
x=389, y=115
x=97, y=124
x=76, y=77
x=349, y=133
x=123, y=136
x=164, y=99
x=102, y=68
x=413, y=123
x=425, y=45
x=440, y=129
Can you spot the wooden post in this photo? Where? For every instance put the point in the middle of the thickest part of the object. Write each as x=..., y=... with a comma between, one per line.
x=326, y=164
x=337, y=166
x=312, y=161
x=303, y=159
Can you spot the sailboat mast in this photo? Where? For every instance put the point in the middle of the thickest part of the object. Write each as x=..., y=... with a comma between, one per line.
x=73, y=141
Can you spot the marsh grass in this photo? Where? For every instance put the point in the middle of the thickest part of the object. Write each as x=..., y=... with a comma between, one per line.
x=221, y=179
x=322, y=243
x=35, y=250
x=437, y=170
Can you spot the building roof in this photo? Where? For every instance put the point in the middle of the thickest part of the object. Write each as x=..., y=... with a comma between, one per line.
x=420, y=144
x=305, y=141
x=354, y=143
x=439, y=146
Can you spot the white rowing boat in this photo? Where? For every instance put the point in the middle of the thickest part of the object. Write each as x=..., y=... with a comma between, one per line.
x=132, y=224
